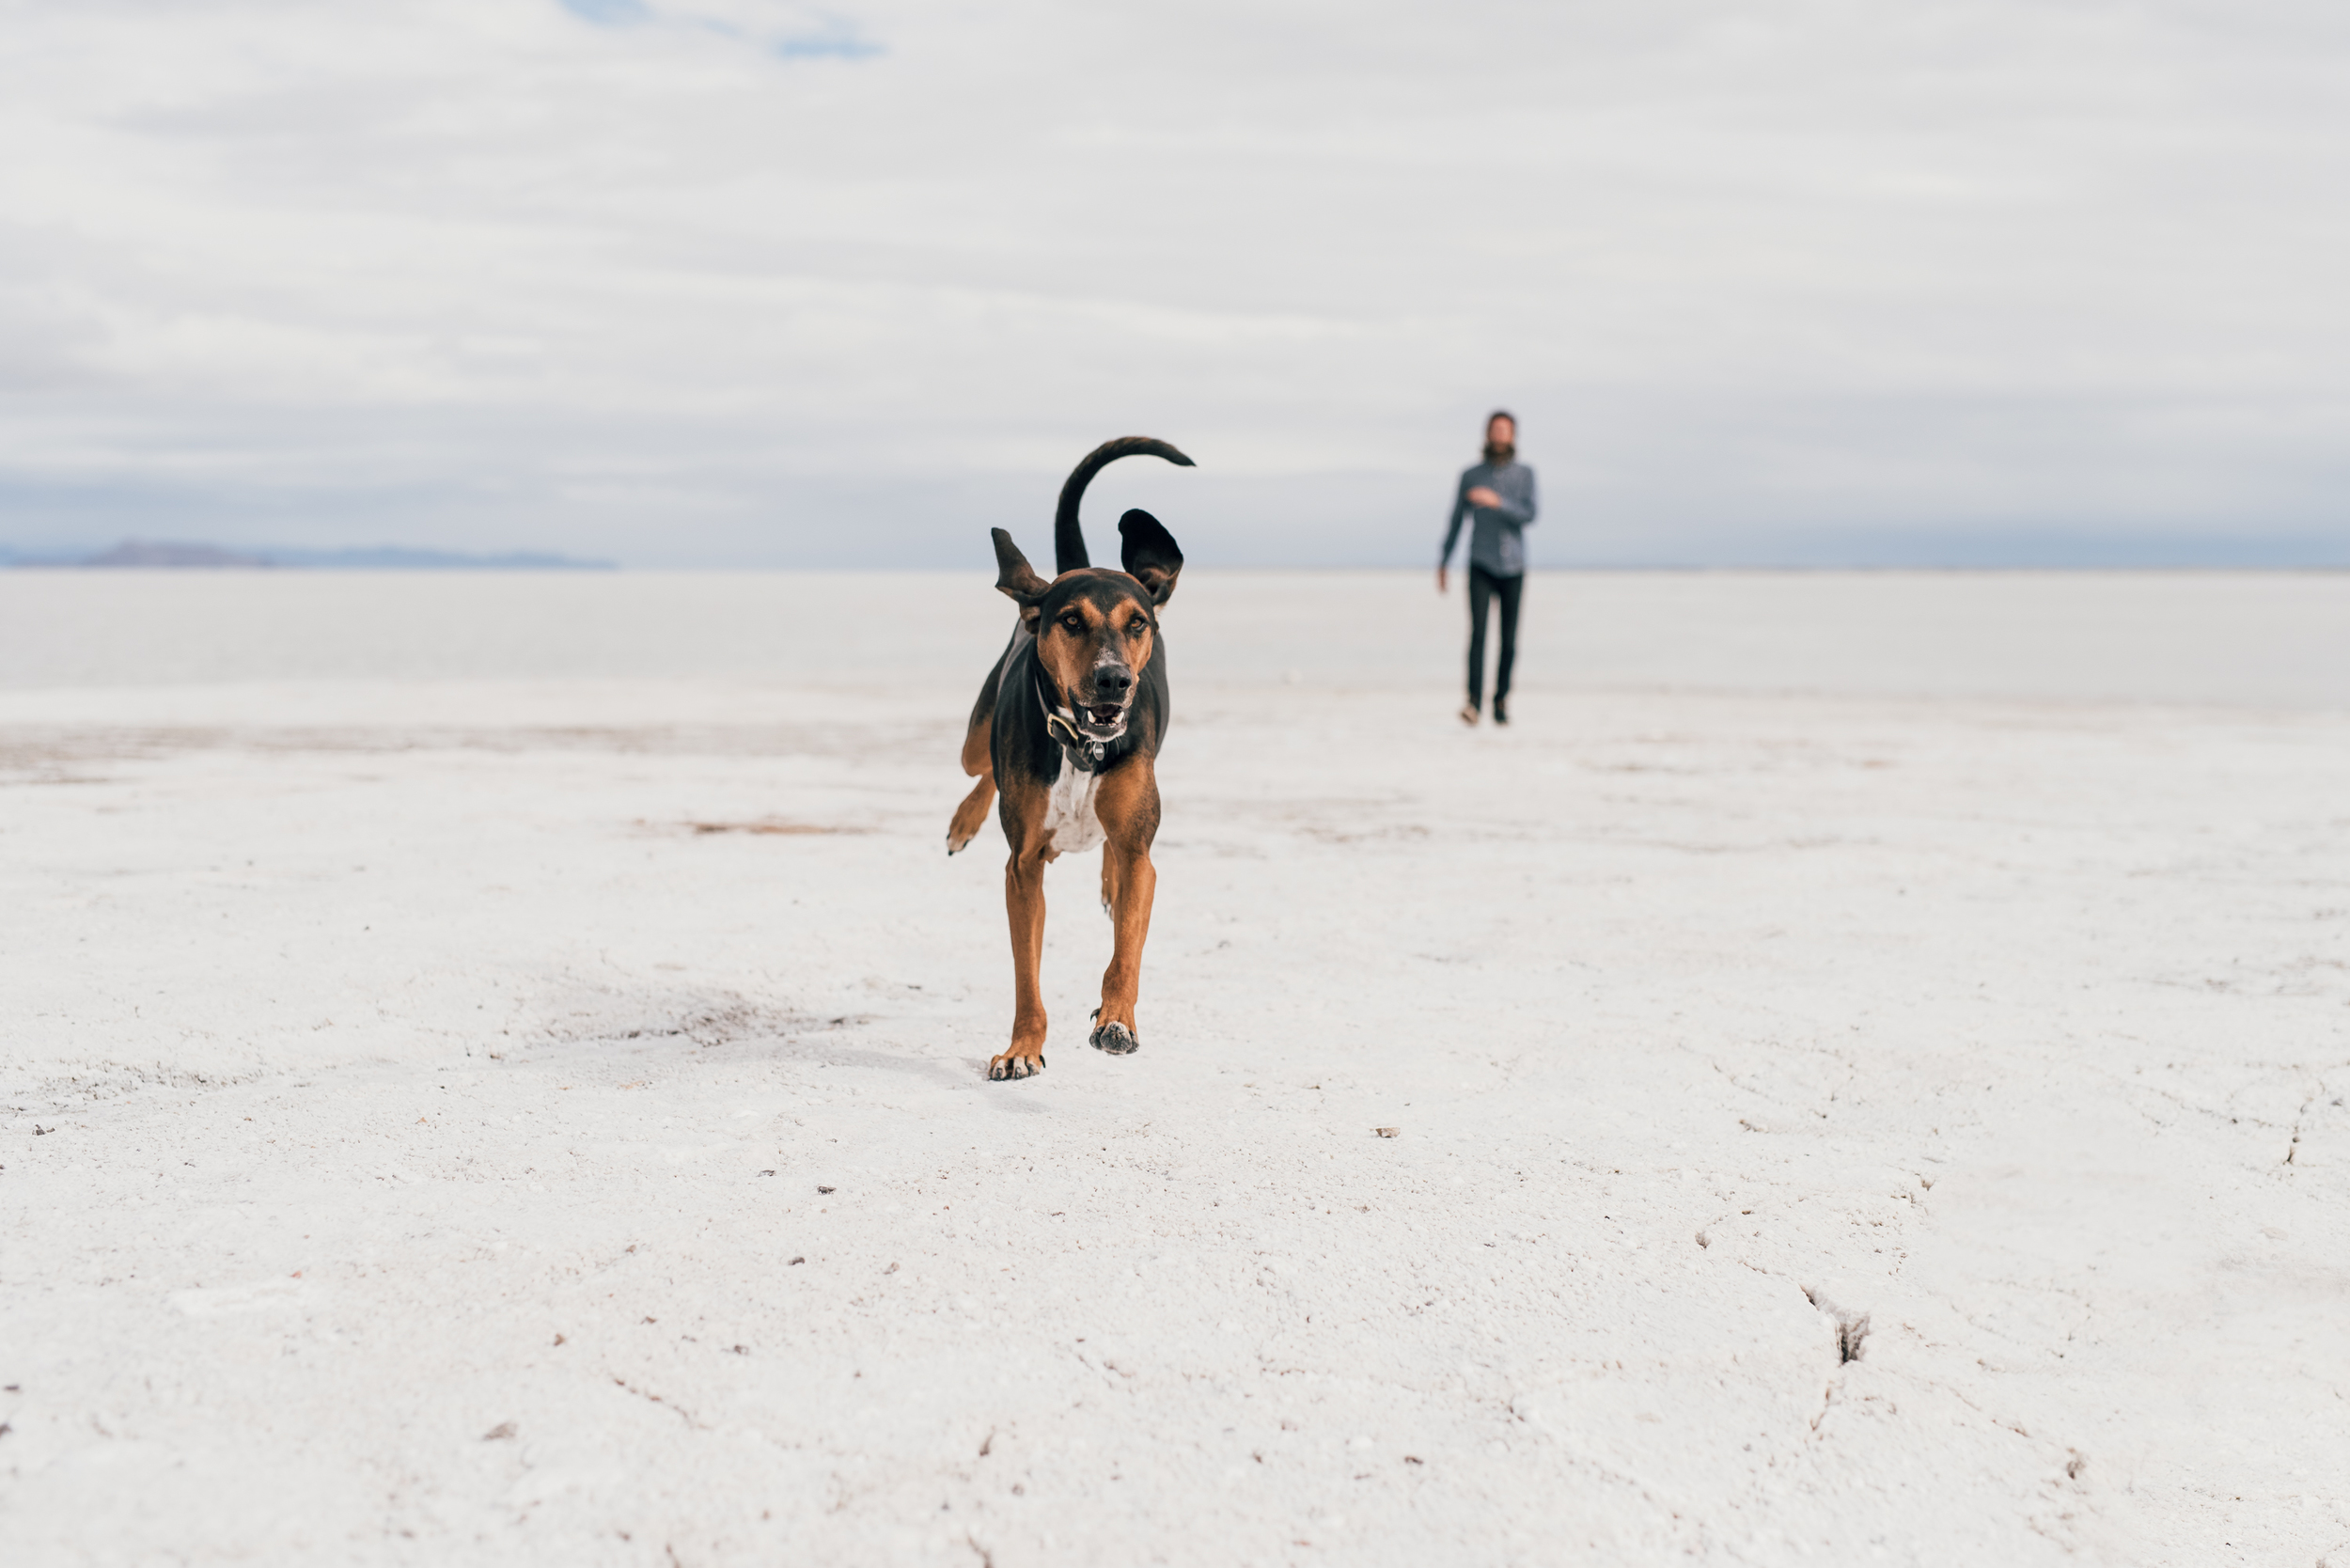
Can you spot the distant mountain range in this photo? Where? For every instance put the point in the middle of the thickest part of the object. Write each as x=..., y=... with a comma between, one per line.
x=152, y=553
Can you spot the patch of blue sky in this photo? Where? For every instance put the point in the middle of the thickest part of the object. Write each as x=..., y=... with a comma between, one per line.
x=609, y=14
x=836, y=40
x=833, y=38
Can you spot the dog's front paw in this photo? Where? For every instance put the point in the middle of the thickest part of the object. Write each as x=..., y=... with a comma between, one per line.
x=1117, y=1039
x=1010, y=1065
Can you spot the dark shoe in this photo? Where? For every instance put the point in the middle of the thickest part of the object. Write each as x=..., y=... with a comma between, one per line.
x=1501, y=710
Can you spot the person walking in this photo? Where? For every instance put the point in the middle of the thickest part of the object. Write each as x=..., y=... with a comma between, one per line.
x=1500, y=494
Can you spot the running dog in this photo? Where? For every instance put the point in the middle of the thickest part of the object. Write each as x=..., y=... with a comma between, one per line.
x=1067, y=728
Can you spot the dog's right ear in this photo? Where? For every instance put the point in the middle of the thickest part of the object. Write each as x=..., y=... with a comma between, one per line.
x=1015, y=579
x=1152, y=555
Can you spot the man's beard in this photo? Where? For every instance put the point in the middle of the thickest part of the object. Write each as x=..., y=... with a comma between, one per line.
x=1502, y=453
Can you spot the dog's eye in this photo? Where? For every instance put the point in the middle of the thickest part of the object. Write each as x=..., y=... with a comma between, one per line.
x=1075, y=623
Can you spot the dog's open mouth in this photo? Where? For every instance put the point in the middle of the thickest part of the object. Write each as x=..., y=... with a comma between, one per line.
x=1103, y=721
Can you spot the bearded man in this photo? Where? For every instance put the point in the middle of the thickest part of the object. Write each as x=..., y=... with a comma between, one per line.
x=1500, y=494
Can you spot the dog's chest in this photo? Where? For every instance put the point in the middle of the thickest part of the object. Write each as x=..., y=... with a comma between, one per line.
x=1069, y=818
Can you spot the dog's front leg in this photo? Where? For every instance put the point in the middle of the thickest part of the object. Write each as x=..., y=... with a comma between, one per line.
x=1128, y=806
x=1024, y=901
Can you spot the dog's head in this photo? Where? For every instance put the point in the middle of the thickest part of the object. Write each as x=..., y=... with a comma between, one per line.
x=1095, y=630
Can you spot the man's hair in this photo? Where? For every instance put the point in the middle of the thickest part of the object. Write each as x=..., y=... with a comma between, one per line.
x=1507, y=450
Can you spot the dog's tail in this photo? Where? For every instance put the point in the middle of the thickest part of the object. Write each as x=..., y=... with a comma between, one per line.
x=1068, y=541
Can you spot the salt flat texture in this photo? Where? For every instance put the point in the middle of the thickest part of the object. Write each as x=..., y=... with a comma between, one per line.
x=420, y=1084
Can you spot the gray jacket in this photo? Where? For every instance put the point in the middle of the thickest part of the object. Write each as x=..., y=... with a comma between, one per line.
x=1495, y=546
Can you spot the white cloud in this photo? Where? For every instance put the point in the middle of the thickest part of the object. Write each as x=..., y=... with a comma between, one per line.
x=664, y=286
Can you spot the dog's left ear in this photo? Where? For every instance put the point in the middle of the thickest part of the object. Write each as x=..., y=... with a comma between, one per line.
x=1150, y=554
x=1015, y=579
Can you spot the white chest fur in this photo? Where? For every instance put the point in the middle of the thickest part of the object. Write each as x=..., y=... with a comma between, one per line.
x=1069, y=819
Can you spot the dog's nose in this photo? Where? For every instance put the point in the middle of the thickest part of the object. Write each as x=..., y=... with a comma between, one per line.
x=1113, y=682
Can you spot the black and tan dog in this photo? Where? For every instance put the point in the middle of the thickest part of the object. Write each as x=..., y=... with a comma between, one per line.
x=1067, y=728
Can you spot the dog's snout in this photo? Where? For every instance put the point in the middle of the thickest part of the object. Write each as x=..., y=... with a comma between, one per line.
x=1113, y=681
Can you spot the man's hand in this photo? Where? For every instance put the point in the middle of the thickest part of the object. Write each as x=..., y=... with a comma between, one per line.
x=1440, y=579
x=1483, y=496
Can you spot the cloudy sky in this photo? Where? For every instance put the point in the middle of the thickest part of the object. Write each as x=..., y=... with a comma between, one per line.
x=750, y=282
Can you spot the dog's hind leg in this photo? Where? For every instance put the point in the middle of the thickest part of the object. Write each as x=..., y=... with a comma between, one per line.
x=1110, y=881
x=971, y=815
x=979, y=761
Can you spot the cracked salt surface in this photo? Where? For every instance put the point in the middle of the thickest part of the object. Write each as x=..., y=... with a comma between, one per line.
x=1832, y=1130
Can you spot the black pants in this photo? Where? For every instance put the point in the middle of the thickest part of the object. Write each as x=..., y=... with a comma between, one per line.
x=1484, y=588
